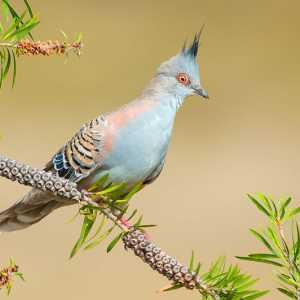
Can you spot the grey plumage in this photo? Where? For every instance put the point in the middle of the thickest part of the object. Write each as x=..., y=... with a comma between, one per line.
x=130, y=144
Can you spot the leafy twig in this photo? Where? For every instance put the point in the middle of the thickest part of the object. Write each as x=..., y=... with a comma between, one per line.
x=281, y=252
x=220, y=282
x=16, y=39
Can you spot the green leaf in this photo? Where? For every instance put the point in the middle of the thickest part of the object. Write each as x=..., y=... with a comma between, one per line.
x=197, y=270
x=12, y=262
x=259, y=206
x=8, y=287
x=22, y=31
x=274, y=238
x=28, y=8
x=287, y=280
x=120, y=202
x=293, y=212
x=9, y=8
x=145, y=226
x=129, y=195
x=85, y=230
x=99, y=229
x=20, y=275
x=14, y=69
x=217, y=267
x=15, y=24
x=297, y=244
x=265, y=200
x=2, y=58
x=176, y=286
x=287, y=292
x=245, y=283
x=132, y=215
x=112, y=189
x=261, y=260
x=191, y=263
x=78, y=38
x=16, y=17
x=263, y=240
x=256, y=295
x=99, y=183
x=139, y=221
x=283, y=207
x=6, y=69
x=263, y=255
x=274, y=209
x=114, y=242
x=134, y=190
x=99, y=239
x=5, y=11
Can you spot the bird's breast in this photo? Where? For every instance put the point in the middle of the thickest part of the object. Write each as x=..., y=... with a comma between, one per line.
x=139, y=147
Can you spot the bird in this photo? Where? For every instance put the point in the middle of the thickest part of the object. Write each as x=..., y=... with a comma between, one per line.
x=129, y=145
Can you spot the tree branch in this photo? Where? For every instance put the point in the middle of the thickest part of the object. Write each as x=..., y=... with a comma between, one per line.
x=218, y=283
x=134, y=239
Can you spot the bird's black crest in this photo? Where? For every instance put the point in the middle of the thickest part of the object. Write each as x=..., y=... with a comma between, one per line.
x=192, y=50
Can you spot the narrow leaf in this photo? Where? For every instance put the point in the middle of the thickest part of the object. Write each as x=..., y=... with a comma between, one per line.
x=293, y=212
x=14, y=69
x=263, y=255
x=99, y=239
x=256, y=295
x=114, y=242
x=6, y=69
x=29, y=8
x=263, y=240
x=287, y=292
x=145, y=226
x=283, y=207
x=261, y=260
x=191, y=264
x=85, y=230
x=173, y=287
x=99, y=183
x=132, y=215
x=259, y=206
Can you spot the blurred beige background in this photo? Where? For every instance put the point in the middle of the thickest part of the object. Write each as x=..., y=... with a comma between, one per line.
x=245, y=139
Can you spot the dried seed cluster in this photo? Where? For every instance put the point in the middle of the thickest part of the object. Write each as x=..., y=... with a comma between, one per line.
x=6, y=275
x=159, y=260
x=43, y=180
x=28, y=47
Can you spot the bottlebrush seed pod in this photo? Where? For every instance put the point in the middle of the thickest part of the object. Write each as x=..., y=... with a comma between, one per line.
x=134, y=239
x=11, y=163
x=43, y=180
x=159, y=260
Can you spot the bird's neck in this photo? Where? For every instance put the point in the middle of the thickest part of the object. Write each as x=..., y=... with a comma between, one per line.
x=158, y=90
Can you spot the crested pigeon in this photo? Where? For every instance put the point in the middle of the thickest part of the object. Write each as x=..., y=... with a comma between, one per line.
x=129, y=144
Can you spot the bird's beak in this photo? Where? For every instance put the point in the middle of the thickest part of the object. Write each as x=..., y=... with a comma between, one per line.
x=201, y=92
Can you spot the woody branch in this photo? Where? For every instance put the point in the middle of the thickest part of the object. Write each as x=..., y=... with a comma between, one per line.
x=134, y=239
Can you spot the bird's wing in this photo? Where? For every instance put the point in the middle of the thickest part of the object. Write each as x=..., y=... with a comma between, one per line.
x=76, y=160
x=82, y=154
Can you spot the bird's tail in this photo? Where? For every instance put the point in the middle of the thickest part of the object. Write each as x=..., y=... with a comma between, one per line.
x=32, y=208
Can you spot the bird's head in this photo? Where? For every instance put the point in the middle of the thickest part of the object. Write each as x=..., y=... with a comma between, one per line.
x=180, y=74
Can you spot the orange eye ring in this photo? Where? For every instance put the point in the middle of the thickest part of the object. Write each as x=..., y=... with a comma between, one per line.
x=183, y=79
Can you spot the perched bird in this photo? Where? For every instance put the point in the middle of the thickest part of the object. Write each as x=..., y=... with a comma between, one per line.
x=130, y=144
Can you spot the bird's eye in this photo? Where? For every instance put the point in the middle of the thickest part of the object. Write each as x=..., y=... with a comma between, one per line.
x=183, y=79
